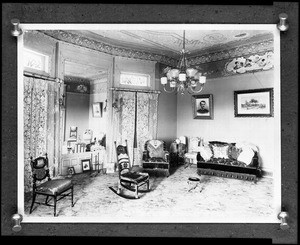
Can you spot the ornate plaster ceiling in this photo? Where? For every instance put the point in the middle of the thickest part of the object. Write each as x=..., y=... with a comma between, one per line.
x=84, y=71
x=162, y=45
x=169, y=42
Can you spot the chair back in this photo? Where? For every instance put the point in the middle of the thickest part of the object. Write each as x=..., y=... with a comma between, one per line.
x=155, y=148
x=39, y=167
x=122, y=158
x=194, y=144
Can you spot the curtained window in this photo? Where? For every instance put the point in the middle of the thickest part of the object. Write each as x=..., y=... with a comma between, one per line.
x=135, y=120
x=41, y=123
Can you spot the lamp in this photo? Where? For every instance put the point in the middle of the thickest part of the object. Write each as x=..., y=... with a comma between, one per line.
x=183, y=78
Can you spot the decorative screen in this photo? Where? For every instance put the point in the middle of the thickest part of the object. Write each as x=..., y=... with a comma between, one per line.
x=36, y=60
x=134, y=79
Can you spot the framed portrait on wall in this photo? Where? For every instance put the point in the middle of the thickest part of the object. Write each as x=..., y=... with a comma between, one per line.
x=254, y=103
x=97, y=109
x=202, y=106
x=73, y=133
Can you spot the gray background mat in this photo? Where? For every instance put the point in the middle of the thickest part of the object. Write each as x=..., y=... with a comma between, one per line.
x=130, y=13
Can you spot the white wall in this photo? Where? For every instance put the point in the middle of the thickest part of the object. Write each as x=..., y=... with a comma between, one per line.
x=225, y=126
x=98, y=94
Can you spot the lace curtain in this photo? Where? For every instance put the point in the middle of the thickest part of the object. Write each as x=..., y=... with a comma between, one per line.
x=41, y=123
x=145, y=114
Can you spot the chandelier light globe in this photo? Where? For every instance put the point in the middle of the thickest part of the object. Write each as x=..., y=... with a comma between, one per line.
x=174, y=73
x=193, y=83
x=183, y=78
x=202, y=79
x=172, y=84
x=164, y=80
x=191, y=72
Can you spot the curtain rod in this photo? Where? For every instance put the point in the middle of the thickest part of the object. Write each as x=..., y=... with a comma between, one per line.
x=136, y=90
x=29, y=74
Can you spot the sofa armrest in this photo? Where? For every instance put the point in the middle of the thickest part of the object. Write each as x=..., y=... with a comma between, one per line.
x=199, y=157
x=254, y=163
x=167, y=156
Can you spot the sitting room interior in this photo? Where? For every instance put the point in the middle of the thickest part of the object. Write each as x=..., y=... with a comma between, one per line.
x=169, y=124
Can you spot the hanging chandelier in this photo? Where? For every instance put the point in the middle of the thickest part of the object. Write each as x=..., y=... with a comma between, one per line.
x=183, y=77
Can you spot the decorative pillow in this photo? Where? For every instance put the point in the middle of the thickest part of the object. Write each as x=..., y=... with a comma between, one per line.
x=233, y=152
x=246, y=155
x=220, y=151
x=205, y=152
x=194, y=144
x=156, y=149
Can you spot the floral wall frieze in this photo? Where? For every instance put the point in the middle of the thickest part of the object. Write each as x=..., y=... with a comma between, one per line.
x=77, y=85
x=244, y=50
x=239, y=65
x=106, y=48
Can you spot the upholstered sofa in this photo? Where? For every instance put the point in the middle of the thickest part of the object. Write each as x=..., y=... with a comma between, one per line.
x=231, y=160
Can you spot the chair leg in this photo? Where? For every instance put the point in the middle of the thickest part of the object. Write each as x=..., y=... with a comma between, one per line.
x=55, y=200
x=33, y=201
x=119, y=187
x=136, y=192
x=148, y=185
x=72, y=196
x=167, y=173
x=46, y=202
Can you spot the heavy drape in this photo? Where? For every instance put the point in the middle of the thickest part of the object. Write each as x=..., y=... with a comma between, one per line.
x=41, y=124
x=143, y=109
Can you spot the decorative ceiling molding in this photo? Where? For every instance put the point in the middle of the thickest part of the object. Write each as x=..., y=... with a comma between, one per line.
x=257, y=47
x=106, y=48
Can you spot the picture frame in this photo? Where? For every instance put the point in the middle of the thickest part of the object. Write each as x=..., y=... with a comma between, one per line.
x=73, y=133
x=71, y=170
x=97, y=109
x=86, y=165
x=202, y=106
x=254, y=103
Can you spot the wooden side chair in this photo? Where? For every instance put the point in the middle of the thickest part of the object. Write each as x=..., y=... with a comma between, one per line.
x=56, y=188
x=129, y=178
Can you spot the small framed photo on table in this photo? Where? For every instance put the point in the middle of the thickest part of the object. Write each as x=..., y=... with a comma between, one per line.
x=71, y=170
x=86, y=165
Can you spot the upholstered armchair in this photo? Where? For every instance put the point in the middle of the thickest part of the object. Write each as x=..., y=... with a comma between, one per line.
x=156, y=157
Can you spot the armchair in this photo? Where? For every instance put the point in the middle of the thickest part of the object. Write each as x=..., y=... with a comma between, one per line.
x=50, y=188
x=155, y=156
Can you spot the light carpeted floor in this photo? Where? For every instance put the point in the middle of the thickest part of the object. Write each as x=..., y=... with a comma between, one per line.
x=215, y=199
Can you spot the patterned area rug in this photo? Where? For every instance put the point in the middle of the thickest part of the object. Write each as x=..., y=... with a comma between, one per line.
x=171, y=199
